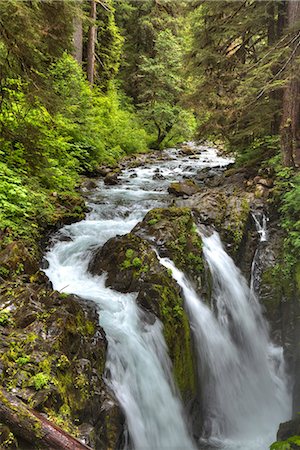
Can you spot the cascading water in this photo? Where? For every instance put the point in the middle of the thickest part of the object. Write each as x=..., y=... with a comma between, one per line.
x=138, y=366
x=244, y=395
x=260, y=220
x=242, y=373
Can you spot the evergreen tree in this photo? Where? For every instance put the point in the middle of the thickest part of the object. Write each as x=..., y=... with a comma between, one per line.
x=236, y=60
x=290, y=123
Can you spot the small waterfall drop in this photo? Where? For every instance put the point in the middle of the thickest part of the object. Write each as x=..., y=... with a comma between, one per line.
x=260, y=220
x=241, y=372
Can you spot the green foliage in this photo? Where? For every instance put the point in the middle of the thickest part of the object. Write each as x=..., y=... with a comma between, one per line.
x=136, y=262
x=162, y=86
x=44, y=150
x=286, y=194
x=286, y=445
x=5, y=317
x=152, y=72
x=40, y=381
x=22, y=360
x=261, y=149
x=45, y=38
x=291, y=211
x=129, y=253
x=108, y=45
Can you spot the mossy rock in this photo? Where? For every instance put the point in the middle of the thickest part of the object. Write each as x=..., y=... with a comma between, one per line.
x=17, y=259
x=175, y=234
x=225, y=208
x=53, y=358
x=132, y=265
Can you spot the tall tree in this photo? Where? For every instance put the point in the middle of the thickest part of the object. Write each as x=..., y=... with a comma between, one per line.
x=237, y=54
x=78, y=37
x=290, y=123
x=91, y=42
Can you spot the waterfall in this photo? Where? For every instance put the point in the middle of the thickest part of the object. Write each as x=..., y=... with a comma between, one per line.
x=241, y=372
x=260, y=220
x=138, y=366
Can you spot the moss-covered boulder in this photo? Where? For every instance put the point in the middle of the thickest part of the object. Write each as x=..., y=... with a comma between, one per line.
x=226, y=208
x=53, y=356
x=132, y=266
x=16, y=259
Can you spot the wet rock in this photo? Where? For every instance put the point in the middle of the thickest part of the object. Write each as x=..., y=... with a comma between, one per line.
x=158, y=176
x=261, y=192
x=131, y=265
x=216, y=181
x=266, y=182
x=187, y=150
x=289, y=429
x=16, y=258
x=111, y=179
x=227, y=209
x=103, y=171
x=53, y=358
x=88, y=185
x=183, y=188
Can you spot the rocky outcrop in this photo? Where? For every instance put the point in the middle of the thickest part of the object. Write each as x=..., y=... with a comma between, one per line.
x=288, y=429
x=228, y=210
x=53, y=358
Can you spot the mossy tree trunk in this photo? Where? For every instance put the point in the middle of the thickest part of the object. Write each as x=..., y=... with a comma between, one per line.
x=33, y=427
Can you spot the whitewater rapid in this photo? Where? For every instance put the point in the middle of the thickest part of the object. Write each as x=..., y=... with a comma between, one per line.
x=139, y=368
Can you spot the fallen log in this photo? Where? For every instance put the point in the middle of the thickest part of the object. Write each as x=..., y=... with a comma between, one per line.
x=34, y=427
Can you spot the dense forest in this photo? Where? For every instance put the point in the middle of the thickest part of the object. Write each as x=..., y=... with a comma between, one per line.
x=109, y=79
x=86, y=85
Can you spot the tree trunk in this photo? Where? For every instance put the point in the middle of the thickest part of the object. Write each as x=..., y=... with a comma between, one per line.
x=271, y=23
x=91, y=43
x=275, y=31
x=77, y=39
x=34, y=427
x=281, y=20
x=290, y=126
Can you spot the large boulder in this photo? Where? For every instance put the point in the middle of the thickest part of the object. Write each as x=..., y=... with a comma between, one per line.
x=53, y=357
x=132, y=265
x=227, y=209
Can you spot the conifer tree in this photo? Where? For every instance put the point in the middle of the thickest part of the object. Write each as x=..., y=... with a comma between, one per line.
x=290, y=123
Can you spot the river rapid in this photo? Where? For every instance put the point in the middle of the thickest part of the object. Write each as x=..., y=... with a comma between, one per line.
x=246, y=394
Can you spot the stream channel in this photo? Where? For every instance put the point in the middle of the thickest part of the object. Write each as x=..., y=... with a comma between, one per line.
x=246, y=394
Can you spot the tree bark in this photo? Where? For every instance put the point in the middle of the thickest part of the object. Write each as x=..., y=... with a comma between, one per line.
x=91, y=43
x=77, y=39
x=34, y=427
x=290, y=126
